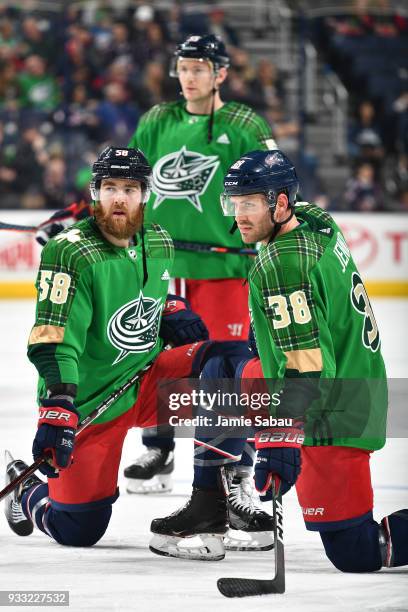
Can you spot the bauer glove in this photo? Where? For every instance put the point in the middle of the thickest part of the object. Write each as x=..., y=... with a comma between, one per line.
x=55, y=437
x=278, y=459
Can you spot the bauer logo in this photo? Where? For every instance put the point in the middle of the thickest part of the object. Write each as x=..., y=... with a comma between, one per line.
x=183, y=174
x=134, y=327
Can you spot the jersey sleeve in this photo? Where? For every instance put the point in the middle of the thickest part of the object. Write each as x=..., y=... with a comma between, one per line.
x=63, y=315
x=262, y=133
x=288, y=339
x=283, y=294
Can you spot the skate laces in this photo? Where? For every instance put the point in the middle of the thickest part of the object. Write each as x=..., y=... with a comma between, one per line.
x=242, y=495
x=149, y=457
x=17, y=514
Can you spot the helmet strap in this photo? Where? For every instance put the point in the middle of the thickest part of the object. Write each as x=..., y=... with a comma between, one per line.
x=211, y=117
x=144, y=262
x=278, y=225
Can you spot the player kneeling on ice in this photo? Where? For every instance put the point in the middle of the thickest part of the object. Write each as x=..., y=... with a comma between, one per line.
x=318, y=342
x=101, y=323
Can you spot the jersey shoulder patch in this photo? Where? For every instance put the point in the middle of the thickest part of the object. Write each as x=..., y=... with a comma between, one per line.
x=159, y=242
x=77, y=247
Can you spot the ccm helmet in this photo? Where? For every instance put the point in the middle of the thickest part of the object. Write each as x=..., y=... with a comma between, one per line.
x=116, y=162
x=267, y=172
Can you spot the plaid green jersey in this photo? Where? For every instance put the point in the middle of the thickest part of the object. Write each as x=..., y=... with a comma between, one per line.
x=96, y=325
x=313, y=319
x=188, y=175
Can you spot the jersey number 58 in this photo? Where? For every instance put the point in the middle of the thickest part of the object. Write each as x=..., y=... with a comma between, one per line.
x=54, y=285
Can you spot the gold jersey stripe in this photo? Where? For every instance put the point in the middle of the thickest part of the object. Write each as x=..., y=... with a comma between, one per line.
x=305, y=360
x=46, y=334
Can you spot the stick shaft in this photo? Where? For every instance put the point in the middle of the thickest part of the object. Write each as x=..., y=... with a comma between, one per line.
x=84, y=423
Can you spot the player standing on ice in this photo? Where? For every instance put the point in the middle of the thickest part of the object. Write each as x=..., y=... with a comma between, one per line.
x=102, y=287
x=318, y=339
x=190, y=144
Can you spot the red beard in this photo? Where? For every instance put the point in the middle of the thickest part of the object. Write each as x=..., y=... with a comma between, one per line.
x=120, y=227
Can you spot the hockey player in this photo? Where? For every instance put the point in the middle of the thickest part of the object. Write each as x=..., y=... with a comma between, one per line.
x=318, y=341
x=102, y=286
x=191, y=143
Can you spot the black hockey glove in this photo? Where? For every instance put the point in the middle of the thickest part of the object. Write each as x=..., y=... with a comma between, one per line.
x=61, y=220
x=179, y=324
x=55, y=437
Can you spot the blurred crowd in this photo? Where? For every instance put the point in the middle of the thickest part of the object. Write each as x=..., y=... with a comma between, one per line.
x=367, y=45
x=73, y=80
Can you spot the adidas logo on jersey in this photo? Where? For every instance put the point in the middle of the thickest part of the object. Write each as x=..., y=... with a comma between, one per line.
x=223, y=139
x=165, y=276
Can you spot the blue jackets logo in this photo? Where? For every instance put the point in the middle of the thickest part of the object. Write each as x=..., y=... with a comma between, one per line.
x=183, y=174
x=134, y=327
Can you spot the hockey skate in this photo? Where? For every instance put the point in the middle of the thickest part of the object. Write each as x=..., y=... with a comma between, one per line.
x=251, y=528
x=15, y=516
x=151, y=472
x=195, y=531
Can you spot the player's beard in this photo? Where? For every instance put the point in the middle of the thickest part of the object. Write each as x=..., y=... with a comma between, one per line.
x=119, y=227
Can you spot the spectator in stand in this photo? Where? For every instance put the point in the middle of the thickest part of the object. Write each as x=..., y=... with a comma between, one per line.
x=365, y=141
x=38, y=89
x=31, y=157
x=55, y=184
x=37, y=41
x=10, y=42
x=8, y=84
x=155, y=87
x=363, y=193
x=118, y=116
x=218, y=26
x=8, y=175
x=268, y=84
x=400, y=107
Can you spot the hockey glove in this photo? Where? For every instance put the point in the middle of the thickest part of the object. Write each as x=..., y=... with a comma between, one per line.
x=278, y=460
x=57, y=424
x=61, y=220
x=180, y=325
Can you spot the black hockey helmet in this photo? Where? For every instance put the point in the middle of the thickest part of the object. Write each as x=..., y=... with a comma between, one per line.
x=115, y=162
x=208, y=48
x=267, y=172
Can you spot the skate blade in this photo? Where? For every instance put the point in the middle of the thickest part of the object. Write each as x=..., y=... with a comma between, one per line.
x=203, y=547
x=237, y=540
x=161, y=483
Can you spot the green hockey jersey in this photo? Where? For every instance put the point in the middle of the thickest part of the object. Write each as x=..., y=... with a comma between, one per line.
x=312, y=318
x=96, y=325
x=188, y=175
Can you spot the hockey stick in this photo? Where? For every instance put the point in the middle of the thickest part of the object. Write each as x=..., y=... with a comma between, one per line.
x=84, y=423
x=246, y=587
x=196, y=247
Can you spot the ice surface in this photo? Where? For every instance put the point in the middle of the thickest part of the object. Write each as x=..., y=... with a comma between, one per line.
x=120, y=573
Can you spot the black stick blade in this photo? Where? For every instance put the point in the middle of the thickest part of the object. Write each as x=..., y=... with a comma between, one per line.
x=247, y=587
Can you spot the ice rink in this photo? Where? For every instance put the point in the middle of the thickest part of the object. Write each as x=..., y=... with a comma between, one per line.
x=120, y=573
